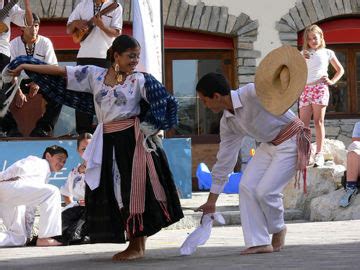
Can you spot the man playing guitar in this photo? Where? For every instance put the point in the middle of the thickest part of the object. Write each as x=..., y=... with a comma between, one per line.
x=93, y=48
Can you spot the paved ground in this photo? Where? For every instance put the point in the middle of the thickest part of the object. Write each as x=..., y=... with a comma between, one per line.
x=327, y=245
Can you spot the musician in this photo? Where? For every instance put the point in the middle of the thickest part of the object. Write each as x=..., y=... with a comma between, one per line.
x=9, y=15
x=93, y=49
x=10, y=12
x=32, y=44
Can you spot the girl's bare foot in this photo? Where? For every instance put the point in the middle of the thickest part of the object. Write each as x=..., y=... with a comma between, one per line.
x=257, y=249
x=135, y=250
x=278, y=240
x=47, y=242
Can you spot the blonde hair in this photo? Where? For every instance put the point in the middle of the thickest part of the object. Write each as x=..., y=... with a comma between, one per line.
x=316, y=30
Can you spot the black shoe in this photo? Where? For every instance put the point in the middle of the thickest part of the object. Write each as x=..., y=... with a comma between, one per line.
x=38, y=132
x=14, y=132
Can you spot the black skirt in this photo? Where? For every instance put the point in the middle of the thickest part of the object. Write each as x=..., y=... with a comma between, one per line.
x=106, y=222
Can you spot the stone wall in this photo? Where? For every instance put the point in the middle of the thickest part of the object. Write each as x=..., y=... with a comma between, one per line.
x=307, y=12
x=339, y=129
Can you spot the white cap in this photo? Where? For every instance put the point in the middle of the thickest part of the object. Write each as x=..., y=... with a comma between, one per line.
x=356, y=131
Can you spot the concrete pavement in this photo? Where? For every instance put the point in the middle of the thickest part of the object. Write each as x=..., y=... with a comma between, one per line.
x=326, y=245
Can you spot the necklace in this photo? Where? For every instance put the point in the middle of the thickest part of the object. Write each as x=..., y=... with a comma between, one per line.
x=29, y=49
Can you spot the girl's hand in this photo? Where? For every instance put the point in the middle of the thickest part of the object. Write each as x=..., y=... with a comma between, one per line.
x=306, y=54
x=82, y=168
x=16, y=72
x=326, y=80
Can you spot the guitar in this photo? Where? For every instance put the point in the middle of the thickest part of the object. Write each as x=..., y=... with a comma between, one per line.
x=3, y=13
x=79, y=35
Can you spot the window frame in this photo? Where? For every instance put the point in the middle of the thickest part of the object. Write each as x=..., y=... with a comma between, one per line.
x=228, y=66
x=350, y=51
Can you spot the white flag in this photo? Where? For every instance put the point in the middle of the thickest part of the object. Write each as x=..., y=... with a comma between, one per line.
x=147, y=30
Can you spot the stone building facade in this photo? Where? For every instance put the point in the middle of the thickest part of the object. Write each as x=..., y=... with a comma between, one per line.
x=217, y=18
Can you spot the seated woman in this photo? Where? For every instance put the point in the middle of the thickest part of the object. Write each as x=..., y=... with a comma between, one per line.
x=73, y=216
x=353, y=168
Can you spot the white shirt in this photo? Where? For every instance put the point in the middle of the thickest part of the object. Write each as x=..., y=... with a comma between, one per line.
x=75, y=185
x=318, y=63
x=17, y=16
x=30, y=168
x=44, y=49
x=98, y=42
x=249, y=118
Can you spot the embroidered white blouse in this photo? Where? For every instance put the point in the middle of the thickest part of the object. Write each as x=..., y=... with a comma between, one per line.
x=75, y=185
x=111, y=103
x=249, y=118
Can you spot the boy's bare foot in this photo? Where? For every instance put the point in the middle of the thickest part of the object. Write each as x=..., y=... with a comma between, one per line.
x=278, y=240
x=135, y=250
x=47, y=242
x=257, y=249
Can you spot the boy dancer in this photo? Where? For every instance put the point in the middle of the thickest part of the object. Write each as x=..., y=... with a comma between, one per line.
x=260, y=111
x=24, y=184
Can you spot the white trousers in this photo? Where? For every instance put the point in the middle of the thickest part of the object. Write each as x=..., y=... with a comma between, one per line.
x=15, y=196
x=261, y=204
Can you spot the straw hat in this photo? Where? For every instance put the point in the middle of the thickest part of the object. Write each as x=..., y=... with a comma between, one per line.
x=280, y=79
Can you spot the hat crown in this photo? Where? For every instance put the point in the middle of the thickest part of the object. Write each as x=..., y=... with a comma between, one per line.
x=280, y=79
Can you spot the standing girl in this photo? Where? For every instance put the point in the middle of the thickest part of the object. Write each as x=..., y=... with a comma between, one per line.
x=73, y=191
x=130, y=192
x=315, y=98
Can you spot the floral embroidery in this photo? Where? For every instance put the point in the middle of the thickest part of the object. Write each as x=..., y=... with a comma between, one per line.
x=76, y=180
x=99, y=96
x=80, y=75
x=120, y=99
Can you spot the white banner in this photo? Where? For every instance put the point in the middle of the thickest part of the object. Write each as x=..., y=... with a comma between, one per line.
x=147, y=30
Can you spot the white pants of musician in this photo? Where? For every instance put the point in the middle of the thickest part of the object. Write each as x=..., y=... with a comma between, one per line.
x=15, y=196
x=261, y=204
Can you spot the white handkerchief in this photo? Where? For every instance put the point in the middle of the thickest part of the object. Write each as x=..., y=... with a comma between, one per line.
x=201, y=234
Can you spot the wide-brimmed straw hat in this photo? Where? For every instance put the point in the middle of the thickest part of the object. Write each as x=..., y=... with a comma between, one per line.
x=280, y=79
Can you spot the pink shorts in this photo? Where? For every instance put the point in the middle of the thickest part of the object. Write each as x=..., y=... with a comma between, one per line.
x=315, y=94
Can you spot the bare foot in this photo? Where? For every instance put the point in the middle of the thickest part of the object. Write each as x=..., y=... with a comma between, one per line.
x=257, y=249
x=135, y=250
x=47, y=242
x=278, y=240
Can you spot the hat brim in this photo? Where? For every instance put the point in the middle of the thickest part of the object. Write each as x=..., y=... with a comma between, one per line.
x=276, y=99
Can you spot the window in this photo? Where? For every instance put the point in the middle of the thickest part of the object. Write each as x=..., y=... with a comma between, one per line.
x=183, y=70
x=345, y=94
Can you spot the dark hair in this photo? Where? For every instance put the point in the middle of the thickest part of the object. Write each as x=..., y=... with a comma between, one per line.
x=55, y=149
x=212, y=83
x=83, y=136
x=36, y=18
x=121, y=44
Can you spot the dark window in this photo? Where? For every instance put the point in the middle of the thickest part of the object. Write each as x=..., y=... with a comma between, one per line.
x=345, y=94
